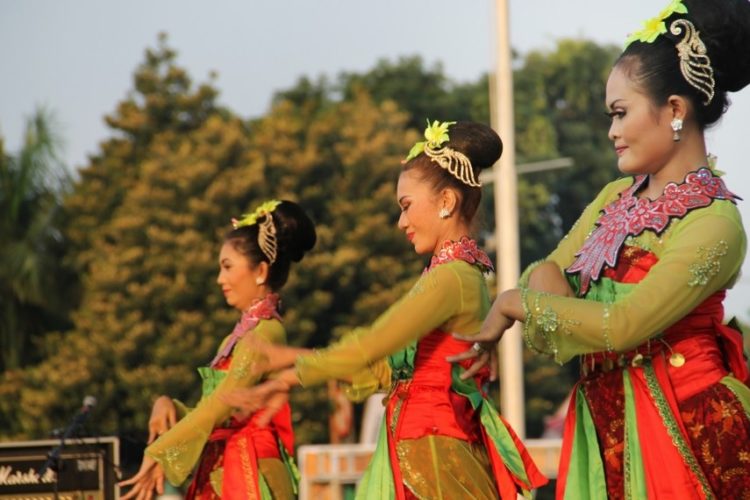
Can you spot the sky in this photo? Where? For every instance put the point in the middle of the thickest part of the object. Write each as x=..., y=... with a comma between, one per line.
x=77, y=57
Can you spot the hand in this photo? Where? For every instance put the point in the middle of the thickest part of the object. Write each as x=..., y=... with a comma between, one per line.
x=492, y=330
x=150, y=477
x=163, y=417
x=485, y=354
x=269, y=396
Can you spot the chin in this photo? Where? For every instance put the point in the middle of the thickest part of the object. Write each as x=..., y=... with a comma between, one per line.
x=421, y=250
x=627, y=168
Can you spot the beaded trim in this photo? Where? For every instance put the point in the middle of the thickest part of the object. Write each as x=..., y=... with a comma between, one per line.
x=631, y=216
x=674, y=431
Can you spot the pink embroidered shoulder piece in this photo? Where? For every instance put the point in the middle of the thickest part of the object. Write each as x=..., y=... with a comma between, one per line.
x=630, y=216
x=266, y=308
x=464, y=249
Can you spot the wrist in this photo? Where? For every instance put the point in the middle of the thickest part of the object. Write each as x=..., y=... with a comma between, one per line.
x=510, y=305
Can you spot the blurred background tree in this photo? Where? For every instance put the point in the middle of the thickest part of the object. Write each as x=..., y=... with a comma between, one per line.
x=144, y=219
x=32, y=281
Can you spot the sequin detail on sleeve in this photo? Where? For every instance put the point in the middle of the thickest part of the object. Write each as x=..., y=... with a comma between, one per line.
x=710, y=264
x=543, y=322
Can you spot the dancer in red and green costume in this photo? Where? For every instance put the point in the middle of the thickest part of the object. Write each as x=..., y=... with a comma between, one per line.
x=442, y=437
x=661, y=409
x=229, y=454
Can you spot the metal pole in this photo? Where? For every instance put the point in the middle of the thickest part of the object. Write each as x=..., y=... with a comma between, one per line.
x=506, y=215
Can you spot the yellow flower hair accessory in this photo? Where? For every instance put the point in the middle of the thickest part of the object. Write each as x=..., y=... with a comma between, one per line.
x=656, y=26
x=455, y=162
x=266, y=229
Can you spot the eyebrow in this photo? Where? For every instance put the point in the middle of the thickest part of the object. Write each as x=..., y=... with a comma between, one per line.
x=612, y=104
x=225, y=260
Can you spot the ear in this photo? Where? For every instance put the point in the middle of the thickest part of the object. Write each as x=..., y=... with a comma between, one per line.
x=261, y=272
x=448, y=199
x=678, y=107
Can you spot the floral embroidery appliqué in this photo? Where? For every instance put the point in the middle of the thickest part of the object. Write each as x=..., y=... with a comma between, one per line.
x=710, y=266
x=464, y=249
x=630, y=216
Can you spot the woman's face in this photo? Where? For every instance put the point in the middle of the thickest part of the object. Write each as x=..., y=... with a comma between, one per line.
x=419, y=212
x=238, y=278
x=640, y=131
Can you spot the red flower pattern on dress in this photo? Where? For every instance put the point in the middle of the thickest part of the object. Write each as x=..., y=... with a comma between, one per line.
x=630, y=216
x=465, y=249
x=265, y=308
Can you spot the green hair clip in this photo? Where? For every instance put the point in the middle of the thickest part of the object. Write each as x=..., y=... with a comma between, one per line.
x=249, y=219
x=656, y=26
x=436, y=134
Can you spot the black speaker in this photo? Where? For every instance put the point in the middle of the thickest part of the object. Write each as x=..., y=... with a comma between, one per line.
x=87, y=469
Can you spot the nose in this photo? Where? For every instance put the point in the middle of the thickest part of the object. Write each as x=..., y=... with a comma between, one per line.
x=403, y=221
x=614, y=131
x=219, y=278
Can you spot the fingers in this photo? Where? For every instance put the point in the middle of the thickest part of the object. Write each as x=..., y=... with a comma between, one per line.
x=248, y=400
x=467, y=354
x=482, y=359
x=171, y=418
x=493, y=365
x=275, y=404
x=132, y=480
x=149, y=478
x=151, y=435
x=159, y=479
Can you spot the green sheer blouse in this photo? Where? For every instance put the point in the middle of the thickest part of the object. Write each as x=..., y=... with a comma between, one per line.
x=452, y=296
x=179, y=449
x=697, y=256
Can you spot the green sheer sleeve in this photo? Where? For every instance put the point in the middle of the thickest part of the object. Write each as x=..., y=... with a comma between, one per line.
x=704, y=254
x=179, y=449
x=450, y=295
x=182, y=408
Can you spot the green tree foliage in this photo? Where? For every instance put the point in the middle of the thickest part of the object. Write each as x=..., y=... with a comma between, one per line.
x=32, y=183
x=146, y=217
x=146, y=220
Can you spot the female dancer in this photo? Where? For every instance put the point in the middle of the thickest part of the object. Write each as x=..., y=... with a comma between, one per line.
x=236, y=458
x=441, y=437
x=661, y=409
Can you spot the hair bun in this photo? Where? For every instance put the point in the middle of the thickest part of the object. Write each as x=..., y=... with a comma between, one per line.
x=479, y=142
x=724, y=27
x=295, y=231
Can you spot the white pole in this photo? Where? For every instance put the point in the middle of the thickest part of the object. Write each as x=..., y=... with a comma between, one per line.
x=506, y=215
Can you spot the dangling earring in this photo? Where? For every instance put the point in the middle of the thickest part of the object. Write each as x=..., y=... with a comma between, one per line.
x=259, y=280
x=676, y=127
x=444, y=213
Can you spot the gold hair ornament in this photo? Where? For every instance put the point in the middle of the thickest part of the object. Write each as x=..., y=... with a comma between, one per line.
x=455, y=162
x=266, y=228
x=694, y=63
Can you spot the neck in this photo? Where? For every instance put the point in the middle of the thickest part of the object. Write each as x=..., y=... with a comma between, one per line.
x=454, y=234
x=254, y=301
x=690, y=156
